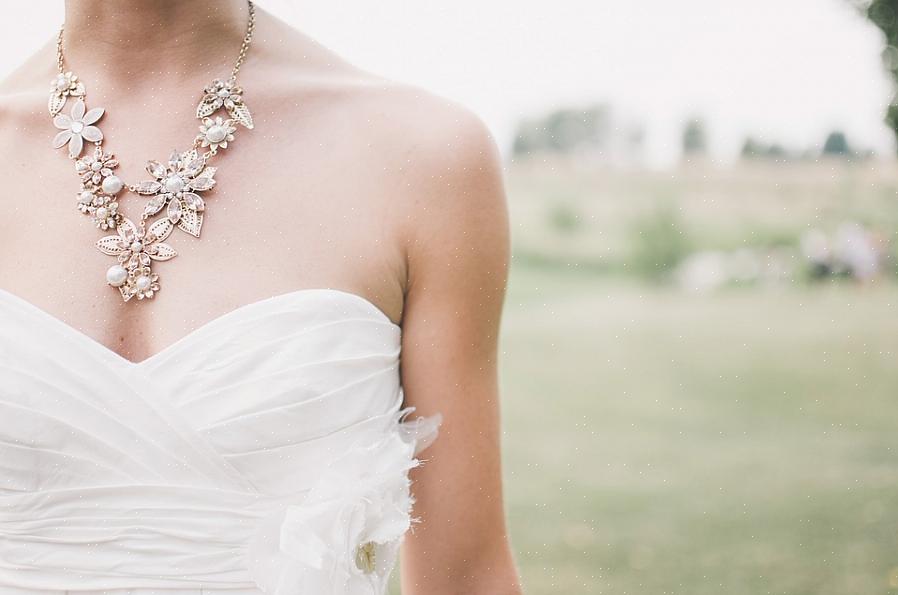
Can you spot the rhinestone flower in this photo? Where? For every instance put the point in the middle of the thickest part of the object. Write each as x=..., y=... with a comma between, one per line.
x=176, y=185
x=137, y=246
x=102, y=208
x=216, y=133
x=142, y=282
x=65, y=84
x=77, y=127
x=94, y=169
x=228, y=95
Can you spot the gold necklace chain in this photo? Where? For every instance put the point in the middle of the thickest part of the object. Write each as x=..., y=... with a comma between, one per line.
x=175, y=186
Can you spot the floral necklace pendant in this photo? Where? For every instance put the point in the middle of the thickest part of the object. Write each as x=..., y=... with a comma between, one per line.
x=174, y=191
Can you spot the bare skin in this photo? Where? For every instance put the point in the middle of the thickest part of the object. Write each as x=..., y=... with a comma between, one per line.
x=349, y=181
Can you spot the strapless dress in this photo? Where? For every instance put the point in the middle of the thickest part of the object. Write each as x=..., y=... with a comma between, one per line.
x=267, y=452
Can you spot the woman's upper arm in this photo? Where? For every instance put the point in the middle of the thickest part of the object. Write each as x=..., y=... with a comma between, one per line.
x=458, y=258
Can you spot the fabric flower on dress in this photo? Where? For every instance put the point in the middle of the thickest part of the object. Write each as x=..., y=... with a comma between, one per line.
x=228, y=95
x=176, y=185
x=343, y=538
x=216, y=133
x=77, y=127
x=64, y=85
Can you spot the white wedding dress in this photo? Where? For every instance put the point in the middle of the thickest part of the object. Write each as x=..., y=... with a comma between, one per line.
x=267, y=452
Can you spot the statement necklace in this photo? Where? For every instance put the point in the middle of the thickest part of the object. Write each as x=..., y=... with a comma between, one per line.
x=174, y=200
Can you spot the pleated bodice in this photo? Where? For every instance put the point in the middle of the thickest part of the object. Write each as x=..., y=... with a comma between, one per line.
x=267, y=452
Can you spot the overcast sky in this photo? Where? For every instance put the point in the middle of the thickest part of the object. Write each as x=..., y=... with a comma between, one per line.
x=786, y=70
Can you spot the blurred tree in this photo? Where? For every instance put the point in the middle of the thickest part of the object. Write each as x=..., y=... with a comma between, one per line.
x=752, y=148
x=564, y=218
x=884, y=14
x=659, y=241
x=529, y=138
x=566, y=131
x=695, y=140
x=776, y=151
x=635, y=142
x=836, y=144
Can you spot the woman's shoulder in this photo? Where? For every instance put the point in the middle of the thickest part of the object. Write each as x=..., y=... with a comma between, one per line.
x=419, y=154
x=422, y=168
x=404, y=122
x=24, y=91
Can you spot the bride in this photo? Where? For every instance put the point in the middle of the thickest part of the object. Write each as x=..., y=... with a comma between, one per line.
x=218, y=239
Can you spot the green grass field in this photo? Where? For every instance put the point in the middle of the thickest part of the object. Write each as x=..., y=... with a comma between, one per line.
x=737, y=442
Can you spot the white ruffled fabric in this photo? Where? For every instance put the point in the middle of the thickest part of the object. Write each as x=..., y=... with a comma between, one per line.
x=266, y=453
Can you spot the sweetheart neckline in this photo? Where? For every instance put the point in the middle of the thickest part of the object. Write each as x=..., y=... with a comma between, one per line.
x=215, y=321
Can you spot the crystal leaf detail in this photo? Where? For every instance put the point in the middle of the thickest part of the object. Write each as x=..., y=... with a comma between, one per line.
x=191, y=222
x=202, y=183
x=162, y=228
x=187, y=158
x=156, y=169
x=194, y=167
x=127, y=228
x=149, y=187
x=174, y=211
x=174, y=160
x=208, y=172
x=55, y=103
x=205, y=108
x=240, y=113
x=163, y=252
x=137, y=259
x=193, y=201
x=110, y=245
x=154, y=205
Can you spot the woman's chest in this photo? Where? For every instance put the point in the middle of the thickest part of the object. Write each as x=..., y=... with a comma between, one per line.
x=269, y=222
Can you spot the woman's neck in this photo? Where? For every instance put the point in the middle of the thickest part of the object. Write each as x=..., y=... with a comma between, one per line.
x=175, y=38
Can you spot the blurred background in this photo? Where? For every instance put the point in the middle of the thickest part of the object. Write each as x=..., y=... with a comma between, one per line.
x=700, y=338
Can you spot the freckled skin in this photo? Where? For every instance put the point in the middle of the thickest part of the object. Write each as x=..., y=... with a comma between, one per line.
x=348, y=181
